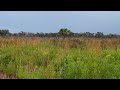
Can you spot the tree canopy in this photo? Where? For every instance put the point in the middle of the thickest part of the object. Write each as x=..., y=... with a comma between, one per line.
x=63, y=32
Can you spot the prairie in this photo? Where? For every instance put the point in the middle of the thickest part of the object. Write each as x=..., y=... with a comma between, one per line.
x=60, y=58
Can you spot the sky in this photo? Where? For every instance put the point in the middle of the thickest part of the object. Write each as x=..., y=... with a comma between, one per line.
x=52, y=21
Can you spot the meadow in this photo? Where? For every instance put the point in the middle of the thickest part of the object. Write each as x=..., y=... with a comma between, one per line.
x=59, y=58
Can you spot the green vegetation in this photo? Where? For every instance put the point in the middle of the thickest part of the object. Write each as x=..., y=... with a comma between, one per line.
x=61, y=59
x=64, y=32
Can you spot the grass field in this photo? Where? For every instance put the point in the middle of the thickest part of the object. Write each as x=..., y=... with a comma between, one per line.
x=69, y=58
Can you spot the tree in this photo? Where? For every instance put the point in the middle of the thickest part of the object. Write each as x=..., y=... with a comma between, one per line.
x=23, y=33
x=88, y=34
x=4, y=32
x=64, y=32
x=99, y=34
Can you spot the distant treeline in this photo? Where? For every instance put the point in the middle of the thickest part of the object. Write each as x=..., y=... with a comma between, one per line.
x=62, y=33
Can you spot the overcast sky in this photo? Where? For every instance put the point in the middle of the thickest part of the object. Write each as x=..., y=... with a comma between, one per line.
x=52, y=21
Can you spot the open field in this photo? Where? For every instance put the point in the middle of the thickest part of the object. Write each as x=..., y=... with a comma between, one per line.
x=60, y=58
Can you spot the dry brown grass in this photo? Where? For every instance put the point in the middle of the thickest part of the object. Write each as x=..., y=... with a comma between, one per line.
x=5, y=76
x=63, y=45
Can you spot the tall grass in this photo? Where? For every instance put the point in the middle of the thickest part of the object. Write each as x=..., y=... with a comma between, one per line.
x=69, y=58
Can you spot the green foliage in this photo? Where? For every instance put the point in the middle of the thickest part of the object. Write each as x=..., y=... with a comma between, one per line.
x=45, y=60
x=65, y=32
x=4, y=32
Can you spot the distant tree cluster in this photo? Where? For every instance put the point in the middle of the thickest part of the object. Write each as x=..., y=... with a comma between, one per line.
x=4, y=32
x=64, y=32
